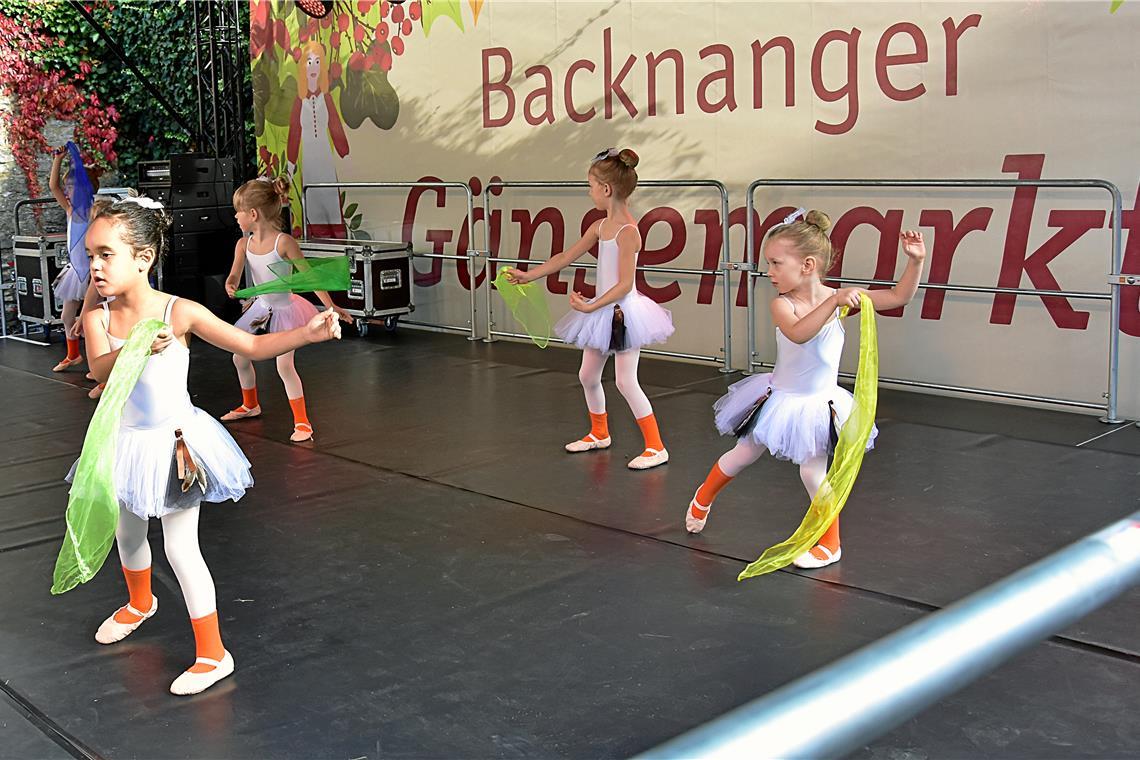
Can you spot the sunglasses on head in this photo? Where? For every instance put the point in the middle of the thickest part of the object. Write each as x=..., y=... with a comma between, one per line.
x=603, y=154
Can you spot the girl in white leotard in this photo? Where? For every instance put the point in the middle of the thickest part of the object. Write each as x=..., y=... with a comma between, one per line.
x=160, y=426
x=257, y=204
x=801, y=398
x=620, y=320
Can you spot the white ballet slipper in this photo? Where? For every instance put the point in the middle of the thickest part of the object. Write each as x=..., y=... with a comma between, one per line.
x=589, y=443
x=112, y=630
x=241, y=413
x=809, y=561
x=193, y=683
x=65, y=364
x=302, y=431
x=652, y=459
x=692, y=524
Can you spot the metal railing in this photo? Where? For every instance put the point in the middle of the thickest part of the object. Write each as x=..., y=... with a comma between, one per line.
x=723, y=270
x=469, y=257
x=843, y=706
x=1113, y=296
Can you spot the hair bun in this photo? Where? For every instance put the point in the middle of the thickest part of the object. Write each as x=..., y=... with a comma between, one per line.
x=281, y=187
x=628, y=158
x=819, y=220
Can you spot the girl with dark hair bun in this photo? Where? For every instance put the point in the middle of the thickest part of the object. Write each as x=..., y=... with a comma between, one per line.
x=619, y=320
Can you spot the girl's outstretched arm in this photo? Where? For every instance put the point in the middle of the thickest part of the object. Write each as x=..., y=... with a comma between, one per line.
x=560, y=260
x=904, y=290
x=192, y=317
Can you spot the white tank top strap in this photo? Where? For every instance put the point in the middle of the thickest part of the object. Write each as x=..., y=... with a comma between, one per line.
x=277, y=240
x=106, y=317
x=622, y=228
x=169, y=309
x=790, y=303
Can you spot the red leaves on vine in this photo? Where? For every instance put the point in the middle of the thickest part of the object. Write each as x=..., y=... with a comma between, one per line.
x=39, y=95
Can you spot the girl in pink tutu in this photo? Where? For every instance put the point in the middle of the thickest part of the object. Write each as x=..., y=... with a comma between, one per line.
x=619, y=320
x=257, y=204
x=791, y=411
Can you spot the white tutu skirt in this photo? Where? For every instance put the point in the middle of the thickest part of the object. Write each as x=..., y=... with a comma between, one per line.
x=69, y=286
x=146, y=479
x=791, y=426
x=646, y=323
x=279, y=314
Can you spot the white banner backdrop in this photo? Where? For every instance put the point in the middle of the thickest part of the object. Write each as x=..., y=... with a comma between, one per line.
x=736, y=91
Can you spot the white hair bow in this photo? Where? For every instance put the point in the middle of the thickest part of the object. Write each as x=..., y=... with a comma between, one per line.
x=794, y=215
x=142, y=200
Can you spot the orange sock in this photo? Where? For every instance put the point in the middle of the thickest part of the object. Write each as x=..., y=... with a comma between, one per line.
x=300, y=416
x=249, y=397
x=138, y=586
x=207, y=641
x=707, y=493
x=830, y=539
x=650, y=433
x=72, y=349
x=599, y=426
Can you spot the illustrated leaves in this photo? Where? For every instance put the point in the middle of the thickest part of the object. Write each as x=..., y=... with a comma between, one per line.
x=369, y=95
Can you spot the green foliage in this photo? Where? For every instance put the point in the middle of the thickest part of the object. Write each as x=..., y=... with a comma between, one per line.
x=158, y=37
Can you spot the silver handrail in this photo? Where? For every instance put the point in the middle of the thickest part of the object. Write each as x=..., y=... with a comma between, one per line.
x=843, y=706
x=469, y=257
x=1113, y=295
x=28, y=202
x=724, y=269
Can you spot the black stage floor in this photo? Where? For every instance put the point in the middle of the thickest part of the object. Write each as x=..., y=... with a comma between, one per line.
x=435, y=577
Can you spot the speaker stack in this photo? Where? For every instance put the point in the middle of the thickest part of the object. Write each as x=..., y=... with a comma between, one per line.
x=198, y=190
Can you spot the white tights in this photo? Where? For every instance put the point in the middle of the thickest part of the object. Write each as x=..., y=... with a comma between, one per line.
x=812, y=471
x=625, y=368
x=68, y=315
x=180, y=539
x=247, y=375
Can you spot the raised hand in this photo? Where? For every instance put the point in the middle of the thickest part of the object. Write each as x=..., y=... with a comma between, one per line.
x=913, y=245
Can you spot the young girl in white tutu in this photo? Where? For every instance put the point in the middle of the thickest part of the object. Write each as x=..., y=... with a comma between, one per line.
x=800, y=400
x=258, y=206
x=619, y=320
x=169, y=456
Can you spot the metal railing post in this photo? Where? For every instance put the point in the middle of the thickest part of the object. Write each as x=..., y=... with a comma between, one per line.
x=843, y=706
